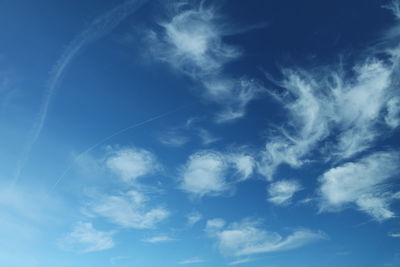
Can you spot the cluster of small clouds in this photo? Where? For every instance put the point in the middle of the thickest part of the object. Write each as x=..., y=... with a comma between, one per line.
x=214, y=173
x=192, y=42
x=333, y=112
x=128, y=208
x=247, y=238
x=340, y=116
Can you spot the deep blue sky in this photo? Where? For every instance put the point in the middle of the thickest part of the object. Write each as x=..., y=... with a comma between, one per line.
x=204, y=133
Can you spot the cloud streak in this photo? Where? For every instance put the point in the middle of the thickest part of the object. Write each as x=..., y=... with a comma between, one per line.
x=247, y=238
x=98, y=28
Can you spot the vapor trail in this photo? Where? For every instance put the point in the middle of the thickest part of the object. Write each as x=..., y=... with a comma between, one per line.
x=99, y=27
x=102, y=141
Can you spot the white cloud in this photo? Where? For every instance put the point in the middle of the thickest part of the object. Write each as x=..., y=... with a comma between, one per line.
x=212, y=173
x=158, y=239
x=394, y=6
x=247, y=238
x=131, y=163
x=173, y=138
x=233, y=94
x=281, y=192
x=329, y=110
x=240, y=261
x=206, y=137
x=193, y=218
x=395, y=235
x=361, y=183
x=97, y=28
x=192, y=261
x=85, y=238
x=392, y=117
x=192, y=42
x=130, y=210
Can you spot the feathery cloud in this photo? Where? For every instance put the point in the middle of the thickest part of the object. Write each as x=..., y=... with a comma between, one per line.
x=192, y=261
x=192, y=42
x=281, y=192
x=85, y=238
x=129, y=210
x=328, y=109
x=361, y=183
x=247, y=238
x=158, y=239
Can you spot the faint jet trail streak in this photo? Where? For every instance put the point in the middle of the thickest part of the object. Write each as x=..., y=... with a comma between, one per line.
x=102, y=141
x=98, y=28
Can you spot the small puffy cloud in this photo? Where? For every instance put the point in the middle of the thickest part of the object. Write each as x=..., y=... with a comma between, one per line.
x=85, y=238
x=281, y=192
x=248, y=238
x=361, y=183
x=130, y=210
x=193, y=218
x=192, y=261
x=158, y=239
x=212, y=173
x=131, y=163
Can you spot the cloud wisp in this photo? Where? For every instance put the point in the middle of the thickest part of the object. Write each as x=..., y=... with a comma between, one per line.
x=248, y=238
x=128, y=210
x=363, y=184
x=192, y=42
x=98, y=28
x=281, y=192
x=329, y=110
x=213, y=173
x=85, y=238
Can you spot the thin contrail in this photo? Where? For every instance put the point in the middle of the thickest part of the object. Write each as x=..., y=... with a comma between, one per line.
x=102, y=141
x=99, y=27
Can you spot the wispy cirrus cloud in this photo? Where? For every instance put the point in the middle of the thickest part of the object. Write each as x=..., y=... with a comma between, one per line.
x=281, y=192
x=85, y=238
x=330, y=110
x=158, y=239
x=192, y=42
x=363, y=184
x=192, y=261
x=193, y=218
x=248, y=237
x=129, y=210
x=213, y=173
x=98, y=28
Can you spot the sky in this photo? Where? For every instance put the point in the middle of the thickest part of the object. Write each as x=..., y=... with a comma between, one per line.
x=200, y=133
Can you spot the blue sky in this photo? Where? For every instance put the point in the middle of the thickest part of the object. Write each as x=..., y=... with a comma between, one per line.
x=199, y=133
